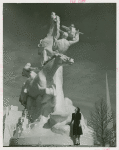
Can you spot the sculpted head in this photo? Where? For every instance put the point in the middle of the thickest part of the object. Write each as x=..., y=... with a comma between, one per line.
x=53, y=15
x=40, y=44
x=26, y=70
x=29, y=71
x=65, y=35
x=72, y=26
x=64, y=60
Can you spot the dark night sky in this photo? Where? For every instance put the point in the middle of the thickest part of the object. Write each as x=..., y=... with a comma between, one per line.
x=95, y=54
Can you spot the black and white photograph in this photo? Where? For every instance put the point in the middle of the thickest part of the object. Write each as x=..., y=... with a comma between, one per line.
x=59, y=75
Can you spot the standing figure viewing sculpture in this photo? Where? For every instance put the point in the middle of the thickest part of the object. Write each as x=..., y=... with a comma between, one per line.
x=77, y=129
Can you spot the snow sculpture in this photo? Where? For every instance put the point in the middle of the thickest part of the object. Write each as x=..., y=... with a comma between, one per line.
x=42, y=93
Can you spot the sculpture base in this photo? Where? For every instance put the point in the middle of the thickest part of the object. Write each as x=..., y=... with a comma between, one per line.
x=58, y=140
x=41, y=134
x=54, y=139
x=47, y=137
x=39, y=141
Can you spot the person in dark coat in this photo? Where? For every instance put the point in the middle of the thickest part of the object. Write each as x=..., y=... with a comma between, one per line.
x=77, y=129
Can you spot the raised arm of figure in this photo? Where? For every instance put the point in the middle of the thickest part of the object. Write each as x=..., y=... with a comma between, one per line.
x=66, y=28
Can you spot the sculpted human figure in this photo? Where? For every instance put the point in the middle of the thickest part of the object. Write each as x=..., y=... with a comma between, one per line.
x=71, y=32
x=59, y=46
x=29, y=71
x=62, y=45
x=45, y=46
x=50, y=46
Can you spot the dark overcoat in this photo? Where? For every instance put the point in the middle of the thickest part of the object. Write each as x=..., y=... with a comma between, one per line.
x=77, y=129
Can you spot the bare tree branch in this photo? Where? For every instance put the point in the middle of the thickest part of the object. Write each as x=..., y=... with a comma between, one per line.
x=99, y=122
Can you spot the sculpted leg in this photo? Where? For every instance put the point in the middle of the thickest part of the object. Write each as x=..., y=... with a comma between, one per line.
x=49, y=93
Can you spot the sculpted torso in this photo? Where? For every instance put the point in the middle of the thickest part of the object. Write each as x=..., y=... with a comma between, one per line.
x=62, y=45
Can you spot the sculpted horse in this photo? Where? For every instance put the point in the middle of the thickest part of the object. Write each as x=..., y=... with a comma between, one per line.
x=43, y=87
x=46, y=45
